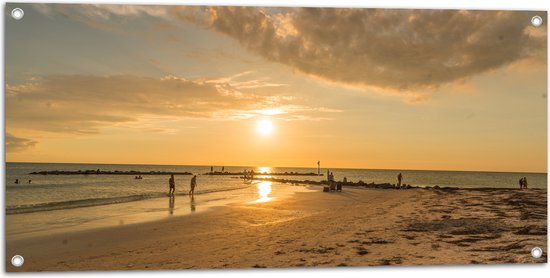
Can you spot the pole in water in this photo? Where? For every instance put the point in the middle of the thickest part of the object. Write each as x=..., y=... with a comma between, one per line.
x=319, y=167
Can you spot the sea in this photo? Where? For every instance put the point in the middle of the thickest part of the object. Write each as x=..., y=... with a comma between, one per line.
x=57, y=204
x=55, y=192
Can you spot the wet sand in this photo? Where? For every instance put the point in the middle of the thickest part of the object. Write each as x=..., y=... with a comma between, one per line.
x=357, y=227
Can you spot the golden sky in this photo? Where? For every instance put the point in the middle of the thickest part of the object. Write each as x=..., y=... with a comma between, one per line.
x=253, y=86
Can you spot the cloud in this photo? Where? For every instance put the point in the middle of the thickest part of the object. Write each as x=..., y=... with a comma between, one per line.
x=390, y=49
x=83, y=104
x=397, y=50
x=17, y=144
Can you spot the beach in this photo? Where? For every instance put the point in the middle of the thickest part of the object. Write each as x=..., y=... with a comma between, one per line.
x=356, y=227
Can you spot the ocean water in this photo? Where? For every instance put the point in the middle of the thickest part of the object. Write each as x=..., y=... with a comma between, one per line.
x=55, y=192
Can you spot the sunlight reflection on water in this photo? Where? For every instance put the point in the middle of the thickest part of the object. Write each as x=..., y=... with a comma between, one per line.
x=261, y=170
x=264, y=188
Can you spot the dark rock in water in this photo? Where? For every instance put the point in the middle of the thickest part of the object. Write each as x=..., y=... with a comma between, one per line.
x=261, y=174
x=116, y=172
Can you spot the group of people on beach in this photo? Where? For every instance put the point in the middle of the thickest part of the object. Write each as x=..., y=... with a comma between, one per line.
x=248, y=175
x=172, y=185
x=332, y=184
x=523, y=183
x=212, y=169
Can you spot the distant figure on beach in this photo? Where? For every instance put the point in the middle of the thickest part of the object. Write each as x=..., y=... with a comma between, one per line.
x=345, y=180
x=223, y=169
x=16, y=181
x=30, y=181
x=521, y=183
x=211, y=169
x=97, y=172
x=399, y=179
x=193, y=184
x=172, y=184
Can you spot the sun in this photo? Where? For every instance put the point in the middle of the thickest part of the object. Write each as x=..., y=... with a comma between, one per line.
x=265, y=127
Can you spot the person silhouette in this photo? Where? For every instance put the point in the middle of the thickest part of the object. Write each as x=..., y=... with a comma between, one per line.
x=399, y=179
x=193, y=184
x=172, y=184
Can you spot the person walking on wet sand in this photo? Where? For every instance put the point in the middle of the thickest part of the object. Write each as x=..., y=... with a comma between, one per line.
x=521, y=183
x=399, y=179
x=172, y=184
x=525, y=182
x=193, y=184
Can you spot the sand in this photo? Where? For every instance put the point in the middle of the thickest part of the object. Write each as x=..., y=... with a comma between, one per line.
x=357, y=227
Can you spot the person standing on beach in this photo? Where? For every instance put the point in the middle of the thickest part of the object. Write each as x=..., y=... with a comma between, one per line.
x=521, y=183
x=525, y=182
x=172, y=184
x=399, y=179
x=193, y=184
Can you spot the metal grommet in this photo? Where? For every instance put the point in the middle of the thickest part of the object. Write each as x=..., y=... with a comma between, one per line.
x=17, y=13
x=17, y=260
x=536, y=252
x=536, y=21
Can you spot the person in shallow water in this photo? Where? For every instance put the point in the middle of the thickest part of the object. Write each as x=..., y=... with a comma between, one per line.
x=172, y=184
x=193, y=184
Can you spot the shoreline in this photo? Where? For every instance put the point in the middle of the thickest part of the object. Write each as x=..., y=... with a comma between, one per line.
x=21, y=225
x=356, y=227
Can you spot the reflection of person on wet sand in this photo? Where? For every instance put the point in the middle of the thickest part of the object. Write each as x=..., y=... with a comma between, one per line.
x=193, y=208
x=172, y=184
x=193, y=184
x=171, y=203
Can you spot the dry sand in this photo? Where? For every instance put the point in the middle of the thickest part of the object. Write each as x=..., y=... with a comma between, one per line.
x=356, y=227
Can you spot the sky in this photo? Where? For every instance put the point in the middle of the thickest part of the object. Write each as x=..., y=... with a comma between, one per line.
x=256, y=86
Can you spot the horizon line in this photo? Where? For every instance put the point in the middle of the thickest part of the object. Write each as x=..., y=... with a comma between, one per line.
x=326, y=168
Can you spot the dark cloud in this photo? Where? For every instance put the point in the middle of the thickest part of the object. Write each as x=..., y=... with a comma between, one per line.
x=393, y=49
x=82, y=104
x=17, y=144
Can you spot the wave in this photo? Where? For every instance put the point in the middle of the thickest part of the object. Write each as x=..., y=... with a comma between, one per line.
x=72, y=204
